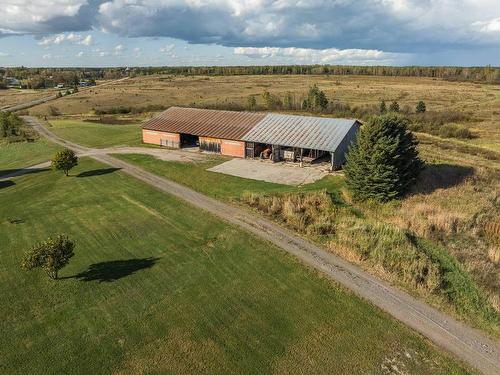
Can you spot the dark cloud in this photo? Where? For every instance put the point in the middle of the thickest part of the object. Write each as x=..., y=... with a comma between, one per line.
x=388, y=25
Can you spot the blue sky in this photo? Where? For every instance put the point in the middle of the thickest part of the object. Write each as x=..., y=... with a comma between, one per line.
x=249, y=32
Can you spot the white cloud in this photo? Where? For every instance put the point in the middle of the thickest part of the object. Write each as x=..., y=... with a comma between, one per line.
x=167, y=49
x=317, y=56
x=491, y=26
x=70, y=38
x=79, y=54
x=87, y=40
x=47, y=56
x=118, y=49
x=20, y=16
x=4, y=54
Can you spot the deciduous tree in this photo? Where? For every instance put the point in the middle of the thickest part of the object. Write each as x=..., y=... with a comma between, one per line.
x=51, y=255
x=64, y=160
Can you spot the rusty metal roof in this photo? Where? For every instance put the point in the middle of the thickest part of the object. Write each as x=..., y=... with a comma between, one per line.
x=318, y=133
x=205, y=122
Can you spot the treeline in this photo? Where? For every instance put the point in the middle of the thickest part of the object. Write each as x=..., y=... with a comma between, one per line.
x=486, y=74
x=475, y=74
x=40, y=78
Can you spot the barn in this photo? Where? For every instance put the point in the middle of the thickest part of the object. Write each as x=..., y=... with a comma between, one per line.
x=253, y=134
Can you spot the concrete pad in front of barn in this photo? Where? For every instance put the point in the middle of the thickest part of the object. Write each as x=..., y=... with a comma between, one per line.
x=264, y=170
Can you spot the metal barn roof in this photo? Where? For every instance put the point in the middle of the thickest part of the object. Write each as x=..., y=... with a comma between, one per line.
x=205, y=122
x=317, y=133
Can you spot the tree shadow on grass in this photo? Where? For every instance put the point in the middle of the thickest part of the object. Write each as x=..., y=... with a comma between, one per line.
x=97, y=172
x=6, y=184
x=115, y=269
x=6, y=173
x=441, y=176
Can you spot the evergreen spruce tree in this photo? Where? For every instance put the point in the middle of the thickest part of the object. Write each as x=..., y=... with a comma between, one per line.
x=384, y=161
x=421, y=108
x=383, y=107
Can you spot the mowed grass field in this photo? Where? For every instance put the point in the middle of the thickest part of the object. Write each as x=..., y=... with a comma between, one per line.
x=478, y=100
x=158, y=286
x=97, y=135
x=24, y=154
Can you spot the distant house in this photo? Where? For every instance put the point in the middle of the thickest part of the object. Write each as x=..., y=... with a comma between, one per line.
x=254, y=134
x=12, y=82
x=60, y=86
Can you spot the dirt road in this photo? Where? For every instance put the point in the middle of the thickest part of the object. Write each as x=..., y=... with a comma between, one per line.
x=466, y=343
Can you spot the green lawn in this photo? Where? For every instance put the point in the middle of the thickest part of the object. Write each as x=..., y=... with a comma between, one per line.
x=24, y=154
x=97, y=135
x=158, y=286
x=218, y=185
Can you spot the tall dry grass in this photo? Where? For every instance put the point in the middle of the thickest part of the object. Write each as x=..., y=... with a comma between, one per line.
x=395, y=251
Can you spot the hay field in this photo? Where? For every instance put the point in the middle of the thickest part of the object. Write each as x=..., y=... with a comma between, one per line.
x=481, y=101
x=12, y=97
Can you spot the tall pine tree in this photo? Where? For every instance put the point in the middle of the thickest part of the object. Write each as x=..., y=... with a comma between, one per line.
x=384, y=161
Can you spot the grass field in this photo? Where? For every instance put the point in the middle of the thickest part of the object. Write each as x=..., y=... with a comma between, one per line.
x=354, y=230
x=156, y=285
x=97, y=135
x=24, y=154
x=478, y=100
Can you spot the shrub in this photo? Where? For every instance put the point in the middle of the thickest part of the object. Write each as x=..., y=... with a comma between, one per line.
x=10, y=124
x=51, y=255
x=251, y=102
x=54, y=111
x=383, y=107
x=421, y=108
x=384, y=161
x=316, y=99
x=454, y=131
x=394, y=107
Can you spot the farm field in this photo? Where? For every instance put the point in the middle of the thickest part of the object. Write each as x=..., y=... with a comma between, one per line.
x=12, y=97
x=97, y=135
x=480, y=101
x=202, y=297
x=24, y=154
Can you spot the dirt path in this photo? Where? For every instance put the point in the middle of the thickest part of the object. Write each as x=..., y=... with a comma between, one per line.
x=466, y=343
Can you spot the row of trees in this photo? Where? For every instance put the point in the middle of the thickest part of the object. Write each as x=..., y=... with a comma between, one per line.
x=315, y=101
x=479, y=74
x=394, y=107
x=476, y=74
